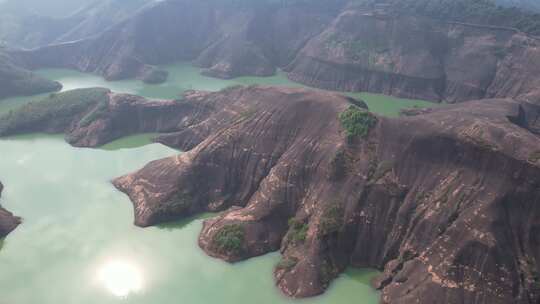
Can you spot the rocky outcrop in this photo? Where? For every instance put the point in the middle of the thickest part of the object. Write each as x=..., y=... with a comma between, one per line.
x=8, y=222
x=93, y=117
x=446, y=203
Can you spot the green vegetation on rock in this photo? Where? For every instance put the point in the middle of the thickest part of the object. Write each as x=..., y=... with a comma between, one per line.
x=297, y=230
x=338, y=166
x=331, y=219
x=16, y=81
x=357, y=122
x=60, y=106
x=229, y=239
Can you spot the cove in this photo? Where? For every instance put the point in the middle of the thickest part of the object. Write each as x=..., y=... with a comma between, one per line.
x=184, y=76
x=77, y=243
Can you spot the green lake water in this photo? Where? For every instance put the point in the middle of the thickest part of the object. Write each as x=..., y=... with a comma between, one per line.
x=184, y=76
x=78, y=244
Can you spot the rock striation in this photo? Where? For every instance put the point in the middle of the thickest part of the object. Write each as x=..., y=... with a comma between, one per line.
x=446, y=203
x=415, y=57
x=8, y=222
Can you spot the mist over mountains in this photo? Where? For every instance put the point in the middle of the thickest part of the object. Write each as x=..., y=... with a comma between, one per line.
x=444, y=200
x=31, y=23
x=525, y=4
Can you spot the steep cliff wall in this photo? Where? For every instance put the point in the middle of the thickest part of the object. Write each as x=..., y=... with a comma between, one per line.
x=446, y=203
x=366, y=50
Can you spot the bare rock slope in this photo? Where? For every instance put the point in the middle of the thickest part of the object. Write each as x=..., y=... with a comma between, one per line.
x=445, y=203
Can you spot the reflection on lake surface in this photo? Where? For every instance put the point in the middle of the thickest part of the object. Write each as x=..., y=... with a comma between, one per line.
x=121, y=277
x=78, y=244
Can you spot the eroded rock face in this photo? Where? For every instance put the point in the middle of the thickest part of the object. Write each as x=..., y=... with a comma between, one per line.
x=446, y=203
x=8, y=222
x=93, y=117
x=414, y=57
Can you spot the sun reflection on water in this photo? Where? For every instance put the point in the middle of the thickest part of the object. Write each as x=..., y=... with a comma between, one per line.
x=121, y=277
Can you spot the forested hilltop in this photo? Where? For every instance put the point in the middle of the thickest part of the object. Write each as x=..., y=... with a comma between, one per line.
x=15, y=81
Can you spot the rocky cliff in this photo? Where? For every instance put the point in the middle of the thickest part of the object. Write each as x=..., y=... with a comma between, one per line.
x=415, y=57
x=355, y=48
x=445, y=203
x=8, y=222
x=93, y=117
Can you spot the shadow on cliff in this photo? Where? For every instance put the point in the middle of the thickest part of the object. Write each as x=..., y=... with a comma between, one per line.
x=181, y=224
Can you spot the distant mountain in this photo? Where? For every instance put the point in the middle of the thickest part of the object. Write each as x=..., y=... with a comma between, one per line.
x=51, y=8
x=29, y=25
x=525, y=4
x=406, y=49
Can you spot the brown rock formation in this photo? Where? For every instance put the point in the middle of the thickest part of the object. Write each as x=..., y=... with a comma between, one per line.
x=8, y=222
x=93, y=117
x=446, y=203
x=408, y=56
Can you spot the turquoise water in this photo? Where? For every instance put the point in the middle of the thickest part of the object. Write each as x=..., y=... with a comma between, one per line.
x=78, y=244
x=184, y=76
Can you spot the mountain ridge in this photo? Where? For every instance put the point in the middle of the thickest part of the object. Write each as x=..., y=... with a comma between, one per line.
x=236, y=42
